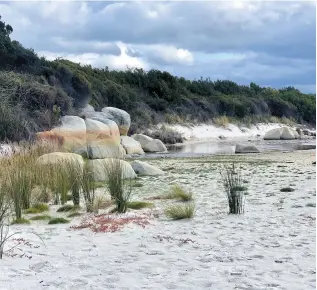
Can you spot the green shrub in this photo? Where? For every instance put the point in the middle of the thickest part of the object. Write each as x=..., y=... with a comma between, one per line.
x=180, y=211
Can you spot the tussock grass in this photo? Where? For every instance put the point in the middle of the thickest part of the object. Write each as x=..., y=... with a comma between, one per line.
x=221, y=121
x=88, y=188
x=37, y=208
x=119, y=189
x=178, y=192
x=21, y=221
x=233, y=183
x=139, y=204
x=180, y=211
x=58, y=220
x=74, y=214
x=287, y=189
x=67, y=207
x=40, y=217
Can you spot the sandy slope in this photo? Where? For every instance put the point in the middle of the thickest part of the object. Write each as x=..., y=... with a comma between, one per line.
x=212, y=132
x=272, y=246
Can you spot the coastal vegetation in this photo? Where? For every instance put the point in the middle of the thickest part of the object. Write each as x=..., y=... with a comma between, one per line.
x=35, y=92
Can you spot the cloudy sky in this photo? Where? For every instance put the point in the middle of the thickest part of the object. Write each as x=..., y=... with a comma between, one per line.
x=270, y=43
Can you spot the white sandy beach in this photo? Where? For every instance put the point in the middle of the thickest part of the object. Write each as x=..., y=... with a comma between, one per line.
x=271, y=246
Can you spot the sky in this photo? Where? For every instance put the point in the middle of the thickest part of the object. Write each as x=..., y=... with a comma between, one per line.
x=266, y=42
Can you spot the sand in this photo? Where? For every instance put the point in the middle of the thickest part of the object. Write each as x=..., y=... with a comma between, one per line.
x=211, y=132
x=270, y=246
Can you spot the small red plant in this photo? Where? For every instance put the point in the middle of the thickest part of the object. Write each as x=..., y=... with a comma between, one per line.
x=108, y=223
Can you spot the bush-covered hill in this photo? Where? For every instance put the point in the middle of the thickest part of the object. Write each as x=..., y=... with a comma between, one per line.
x=34, y=92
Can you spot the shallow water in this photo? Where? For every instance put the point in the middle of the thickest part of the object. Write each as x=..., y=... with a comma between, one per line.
x=228, y=147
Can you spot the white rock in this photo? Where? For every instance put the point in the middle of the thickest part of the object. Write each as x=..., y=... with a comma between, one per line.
x=131, y=146
x=72, y=132
x=155, y=145
x=246, y=148
x=143, y=168
x=121, y=117
x=287, y=134
x=274, y=134
x=98, y=167
x=142, y=139
x=60, y=159
x=98, y=132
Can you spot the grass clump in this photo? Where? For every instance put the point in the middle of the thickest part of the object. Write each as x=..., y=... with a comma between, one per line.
x=21, y=221
x=37, y=208
x=58, y=220
x=287, y=189
x=67, y=207
x=233, y=183
x=178, y=192
x=119, y=189
x=139, y=204
x=74, y=214
x=180, y=211
x=40, y=217
x=88, y=188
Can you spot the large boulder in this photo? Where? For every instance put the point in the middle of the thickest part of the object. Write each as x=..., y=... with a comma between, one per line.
x=283, y=133
x=131, y=146
x=100, y=151
x=274, y=134
x=101, y=117
x=102, y=133
x=61, y=159
x=122, y=118
x=155, y=145
x=70, y=134
x=86, y=110
x=288, y=134
x=246, y=148
x=142, y=139
x=100, y=167
x=143, y=168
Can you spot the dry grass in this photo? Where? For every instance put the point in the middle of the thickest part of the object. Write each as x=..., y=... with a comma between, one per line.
x=181, y=211
x=139, y=204
x=221, y=121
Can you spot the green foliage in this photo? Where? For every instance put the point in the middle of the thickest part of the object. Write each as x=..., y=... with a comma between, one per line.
x=58, y=220
x=67, y=207
x=74, y=214
x=180, y=211
x=20, y=221
x=35, y=92
x=139, y=204
x=119, y=189
x=40, y=217
x=37, y=208
x=233, y=183
x=178, y=192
